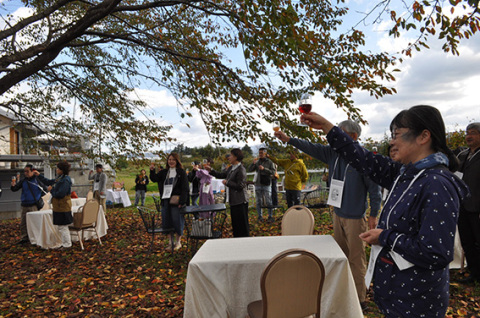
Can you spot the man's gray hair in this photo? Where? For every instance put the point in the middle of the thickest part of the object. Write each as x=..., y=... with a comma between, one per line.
x=350, y=127
x=475, y=126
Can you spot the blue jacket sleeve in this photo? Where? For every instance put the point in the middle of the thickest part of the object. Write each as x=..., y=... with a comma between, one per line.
x=317, y=151
x=432, y=246
x=382, y=170
x=375, y=194
x=45, y=180
x=62, y=188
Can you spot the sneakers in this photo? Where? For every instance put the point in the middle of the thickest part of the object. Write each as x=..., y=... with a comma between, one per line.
x=271, y=219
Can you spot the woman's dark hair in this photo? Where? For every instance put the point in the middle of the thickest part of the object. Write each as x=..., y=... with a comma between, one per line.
x=423, y=117
x=64, y=166
x=237, y=153
x=177, y=158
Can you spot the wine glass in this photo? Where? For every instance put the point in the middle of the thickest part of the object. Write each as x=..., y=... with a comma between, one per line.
x=305, y=106
x=276, y=126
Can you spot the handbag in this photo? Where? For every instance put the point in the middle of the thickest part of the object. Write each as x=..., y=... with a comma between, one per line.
x=202, y=227
x=174, y=199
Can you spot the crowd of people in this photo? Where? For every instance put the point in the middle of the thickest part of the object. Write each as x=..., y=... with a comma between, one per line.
x=430, y=191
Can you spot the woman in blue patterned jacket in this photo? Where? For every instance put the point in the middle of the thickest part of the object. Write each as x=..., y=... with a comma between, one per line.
x=412, y=245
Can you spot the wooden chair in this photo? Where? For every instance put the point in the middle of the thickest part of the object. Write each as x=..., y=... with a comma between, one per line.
x=152, y=221
x=298, y=220
x=291, y=286
x=87, y=221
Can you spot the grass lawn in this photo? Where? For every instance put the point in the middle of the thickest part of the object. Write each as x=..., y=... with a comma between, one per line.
x=121, y=278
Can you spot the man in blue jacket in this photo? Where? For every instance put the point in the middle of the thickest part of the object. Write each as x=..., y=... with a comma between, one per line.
x=31, y=194
x=349, y=199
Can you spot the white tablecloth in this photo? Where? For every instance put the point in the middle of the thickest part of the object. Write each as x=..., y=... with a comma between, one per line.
x=43, y=233
x=224, y=275
x=119, y=197
x=79, y=201
x=217, y=185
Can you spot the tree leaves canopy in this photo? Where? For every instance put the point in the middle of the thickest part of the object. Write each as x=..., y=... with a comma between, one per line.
x=236, y=62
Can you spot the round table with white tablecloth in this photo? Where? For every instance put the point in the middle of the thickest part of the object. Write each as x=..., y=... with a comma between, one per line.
x=42, y=231
x=217, y=185
x=120, y=197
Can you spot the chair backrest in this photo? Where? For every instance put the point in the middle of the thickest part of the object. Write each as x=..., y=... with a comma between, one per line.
x=292, y=285
x=298, y=220
x=150, y=217
x=158, y=202
x=89, y=195
x=90, y=212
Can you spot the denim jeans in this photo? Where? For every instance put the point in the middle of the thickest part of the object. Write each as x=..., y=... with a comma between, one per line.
x=171, y=217
x=263, y=193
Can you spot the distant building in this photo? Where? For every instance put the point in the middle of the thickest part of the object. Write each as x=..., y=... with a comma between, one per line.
x=21, y=143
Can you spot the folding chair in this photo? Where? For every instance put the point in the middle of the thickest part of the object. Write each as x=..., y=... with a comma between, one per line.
x=152, y=222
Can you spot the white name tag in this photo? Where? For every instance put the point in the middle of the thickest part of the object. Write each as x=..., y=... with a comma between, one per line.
x=167, y=191
x=336, y=193
x=402, y=263
x=206, y=187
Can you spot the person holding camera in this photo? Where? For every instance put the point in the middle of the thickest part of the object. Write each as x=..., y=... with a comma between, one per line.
x=141, y=182
x=194, y=182
x=265, y=170
x=99, y=185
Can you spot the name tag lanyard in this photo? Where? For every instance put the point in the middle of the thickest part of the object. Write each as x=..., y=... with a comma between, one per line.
x=336, y=188
x=375, y=251
x=167, y=188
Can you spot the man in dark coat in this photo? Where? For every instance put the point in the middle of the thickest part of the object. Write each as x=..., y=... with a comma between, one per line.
x=469, y=218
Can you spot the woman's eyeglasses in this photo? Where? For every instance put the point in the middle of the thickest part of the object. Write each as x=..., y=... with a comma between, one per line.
x=395, y=135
